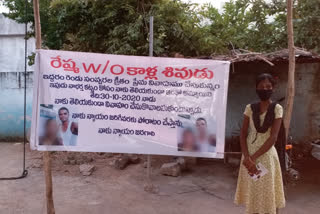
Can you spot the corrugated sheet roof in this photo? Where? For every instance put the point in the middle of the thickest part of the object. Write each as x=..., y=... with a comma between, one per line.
x=240, y=56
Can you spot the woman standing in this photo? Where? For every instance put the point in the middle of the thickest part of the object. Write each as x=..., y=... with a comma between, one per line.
x=259, y=133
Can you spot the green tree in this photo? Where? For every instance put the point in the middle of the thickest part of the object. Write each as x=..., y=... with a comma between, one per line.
x=230, y=27
x=116, y=26
x=248, y=24
x=122, y=26
x=307, y=22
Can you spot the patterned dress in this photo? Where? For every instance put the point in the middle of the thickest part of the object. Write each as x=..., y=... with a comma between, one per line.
x=266, y=194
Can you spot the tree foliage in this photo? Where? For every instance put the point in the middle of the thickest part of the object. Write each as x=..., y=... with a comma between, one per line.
x=307, y=24
x=122, y=26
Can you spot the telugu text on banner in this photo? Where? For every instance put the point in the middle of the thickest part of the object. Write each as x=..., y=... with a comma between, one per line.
x=129, y=104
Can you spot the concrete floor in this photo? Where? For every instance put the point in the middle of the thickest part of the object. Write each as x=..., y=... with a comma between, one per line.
x=208, y=188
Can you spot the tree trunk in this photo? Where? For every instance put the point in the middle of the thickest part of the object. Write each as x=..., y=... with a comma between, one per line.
x=291, y=72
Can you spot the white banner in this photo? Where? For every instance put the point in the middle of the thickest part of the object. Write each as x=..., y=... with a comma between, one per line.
x=129, y=104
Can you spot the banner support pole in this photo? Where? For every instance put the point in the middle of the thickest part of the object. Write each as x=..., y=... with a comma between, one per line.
x=150, y=55
x=48, y=178
x=46, y=154
x=151, y=37
x=291, y=70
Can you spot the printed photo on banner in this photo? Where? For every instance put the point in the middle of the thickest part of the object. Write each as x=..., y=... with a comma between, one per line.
x=197, y=135
x=56, y=127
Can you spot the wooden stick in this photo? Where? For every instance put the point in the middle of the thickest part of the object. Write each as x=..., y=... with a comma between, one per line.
x=241, y=49
x=149, y=168
x=248, y=54
x=37, y=24
x=149, y=158
x=291, y=72
x=48, y=177
x=46, y=155
x=264, y=59
x=230, y=153
x=258, y=55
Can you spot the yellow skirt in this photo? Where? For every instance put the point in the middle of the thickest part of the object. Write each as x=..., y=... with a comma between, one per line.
x=266, y=194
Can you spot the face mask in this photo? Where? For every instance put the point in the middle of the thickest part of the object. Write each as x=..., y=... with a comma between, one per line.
x=264, y=94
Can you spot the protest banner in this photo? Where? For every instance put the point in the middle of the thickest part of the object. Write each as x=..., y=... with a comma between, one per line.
x=129, y=104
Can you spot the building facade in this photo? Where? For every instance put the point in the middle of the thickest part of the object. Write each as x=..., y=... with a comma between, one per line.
x=12, y=67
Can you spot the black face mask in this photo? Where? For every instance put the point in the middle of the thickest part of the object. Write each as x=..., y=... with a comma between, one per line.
x=264, y=94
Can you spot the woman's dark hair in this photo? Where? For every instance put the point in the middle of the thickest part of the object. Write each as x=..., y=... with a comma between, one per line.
x=187, y=130
x=265, y=76
x=181, y=145
x=47, y=124
x=63, y=108
x=201, y=118
x=48, y=121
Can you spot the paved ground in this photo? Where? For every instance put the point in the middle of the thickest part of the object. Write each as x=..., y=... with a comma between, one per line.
x=208, y=188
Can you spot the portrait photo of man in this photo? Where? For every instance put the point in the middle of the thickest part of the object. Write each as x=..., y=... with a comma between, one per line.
x=68, y=129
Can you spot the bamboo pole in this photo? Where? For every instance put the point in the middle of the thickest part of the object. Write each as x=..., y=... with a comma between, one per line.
x=48, y=177
x=37, y=23
x=291, y=71
x=149, y=158
x=46, y=155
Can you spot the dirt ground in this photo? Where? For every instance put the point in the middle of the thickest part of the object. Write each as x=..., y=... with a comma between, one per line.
x=207, y=188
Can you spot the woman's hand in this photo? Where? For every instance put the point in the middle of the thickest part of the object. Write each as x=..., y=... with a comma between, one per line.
x=250, y=165
x=247, y=161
